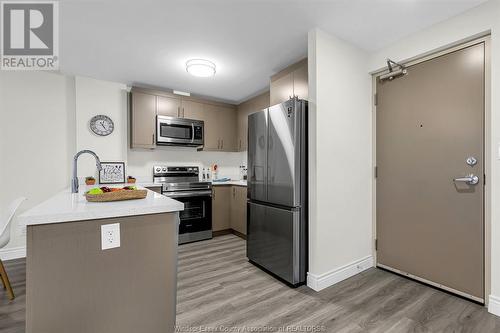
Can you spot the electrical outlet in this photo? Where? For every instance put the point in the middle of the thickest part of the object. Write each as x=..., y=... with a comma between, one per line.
x=110, y=236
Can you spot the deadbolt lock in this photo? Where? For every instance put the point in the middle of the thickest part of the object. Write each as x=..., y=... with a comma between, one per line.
x=471, y=161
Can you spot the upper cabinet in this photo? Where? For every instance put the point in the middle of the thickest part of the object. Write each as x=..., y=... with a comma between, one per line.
x=143, y=120
x=192, y=110
x=220, y=128
x=168, y=106
x=252, y=105
x=220, y=119
x=282, y=89
x=290, y=82
x=300, y=82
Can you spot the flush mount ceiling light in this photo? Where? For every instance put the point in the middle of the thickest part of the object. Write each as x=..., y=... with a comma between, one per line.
x=200, y=67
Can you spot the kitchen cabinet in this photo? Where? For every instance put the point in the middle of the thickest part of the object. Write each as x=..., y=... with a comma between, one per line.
x=221, y=197
x=282, y=89
x=246, y=108
x=290, y=82
x=193, y=110
x=238, y=221
x=211, y=138
x=227, y=128
x=300, y=82
x=220, y=128
x=168, y=106
x=143, y=116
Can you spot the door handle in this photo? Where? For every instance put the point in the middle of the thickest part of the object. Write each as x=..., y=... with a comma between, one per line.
x=470, y=179
x=192, y=133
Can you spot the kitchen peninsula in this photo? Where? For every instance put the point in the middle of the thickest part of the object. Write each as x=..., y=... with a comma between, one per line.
x=74, y=284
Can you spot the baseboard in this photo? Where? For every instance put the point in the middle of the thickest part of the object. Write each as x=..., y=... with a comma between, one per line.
x=221, y=232
x=227, y=232
x=239, y=234
x=494, y=305
x=13, y=253
x=322, y=281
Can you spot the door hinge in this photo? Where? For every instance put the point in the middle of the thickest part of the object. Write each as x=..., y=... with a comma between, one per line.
x=375, y=172
x=375, y=99
x=376, y=244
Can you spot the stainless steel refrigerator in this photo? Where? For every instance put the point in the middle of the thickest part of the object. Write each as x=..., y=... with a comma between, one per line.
x=277, y=190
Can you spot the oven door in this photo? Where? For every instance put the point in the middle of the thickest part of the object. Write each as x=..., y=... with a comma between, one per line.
x=179, y=131
x=196, y=218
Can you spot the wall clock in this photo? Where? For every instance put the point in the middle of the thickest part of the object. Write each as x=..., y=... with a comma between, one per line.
x=102, y=125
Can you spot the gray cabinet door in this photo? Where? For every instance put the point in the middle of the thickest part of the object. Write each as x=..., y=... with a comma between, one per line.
x=283, y=179
x=300, y=82
x=168, y=106
x=257, y=156
x=221, y=200
x=282, y=89
x=270, y=240
x=143, y=120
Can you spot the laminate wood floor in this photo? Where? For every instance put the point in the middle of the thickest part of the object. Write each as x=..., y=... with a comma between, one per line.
x=219, y=291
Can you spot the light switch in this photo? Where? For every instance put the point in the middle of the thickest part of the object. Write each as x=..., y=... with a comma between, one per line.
x=110, y=236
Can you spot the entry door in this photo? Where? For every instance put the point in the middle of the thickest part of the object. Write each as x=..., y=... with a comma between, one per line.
x=430, y=126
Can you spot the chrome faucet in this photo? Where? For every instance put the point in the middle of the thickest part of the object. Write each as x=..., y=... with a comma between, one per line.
x=74, y=180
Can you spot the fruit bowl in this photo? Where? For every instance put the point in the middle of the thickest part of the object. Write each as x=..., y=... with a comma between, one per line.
x=106, y=194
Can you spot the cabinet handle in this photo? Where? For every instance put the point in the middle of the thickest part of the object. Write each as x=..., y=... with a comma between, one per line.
x=240, y=145
x=153, y=139
x=182, y=112
x=222, y=144
x=218, y=143
x=178, y=111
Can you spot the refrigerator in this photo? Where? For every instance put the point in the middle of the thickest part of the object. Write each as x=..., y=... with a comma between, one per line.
x=277, y=190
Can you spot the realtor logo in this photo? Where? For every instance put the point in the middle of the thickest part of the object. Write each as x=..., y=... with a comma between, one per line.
x=29, y=35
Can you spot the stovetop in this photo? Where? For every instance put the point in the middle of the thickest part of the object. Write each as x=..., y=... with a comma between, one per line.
x=179, y=178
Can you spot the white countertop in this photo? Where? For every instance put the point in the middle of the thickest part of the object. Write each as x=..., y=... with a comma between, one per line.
x=67, y=207
x=231, y=182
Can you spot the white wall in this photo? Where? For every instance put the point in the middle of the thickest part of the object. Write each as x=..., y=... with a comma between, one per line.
x=45, y=121
x=340, y=226
x=471, y=23
x=94, y=97
x=141, y=161
x=37, y=126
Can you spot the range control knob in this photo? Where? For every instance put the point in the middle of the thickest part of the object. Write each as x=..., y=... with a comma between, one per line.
x=158, y=169
x=164, y=169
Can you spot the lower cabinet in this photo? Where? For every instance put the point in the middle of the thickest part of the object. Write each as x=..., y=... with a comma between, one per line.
x=229, y=208
x=239, y=209
x=221, y=196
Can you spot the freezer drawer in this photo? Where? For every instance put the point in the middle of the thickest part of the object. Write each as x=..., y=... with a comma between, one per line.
x=276, y=241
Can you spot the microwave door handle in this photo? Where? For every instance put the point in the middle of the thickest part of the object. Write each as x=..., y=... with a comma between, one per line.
x=192, y=132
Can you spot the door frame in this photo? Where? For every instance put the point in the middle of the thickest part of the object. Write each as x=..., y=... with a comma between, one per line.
x=486, y=39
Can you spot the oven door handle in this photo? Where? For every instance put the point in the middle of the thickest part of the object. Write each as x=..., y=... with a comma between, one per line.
x=192, y=132
x=188, y=194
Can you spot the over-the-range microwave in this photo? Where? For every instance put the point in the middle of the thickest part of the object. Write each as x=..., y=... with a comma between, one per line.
x=173, y=131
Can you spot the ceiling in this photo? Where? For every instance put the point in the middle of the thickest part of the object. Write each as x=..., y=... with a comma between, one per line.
x=148, y=42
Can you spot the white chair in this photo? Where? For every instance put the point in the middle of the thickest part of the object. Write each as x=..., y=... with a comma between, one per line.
x=5, y=220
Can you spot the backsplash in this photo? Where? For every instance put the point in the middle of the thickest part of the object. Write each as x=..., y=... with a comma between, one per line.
x=140, y=162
